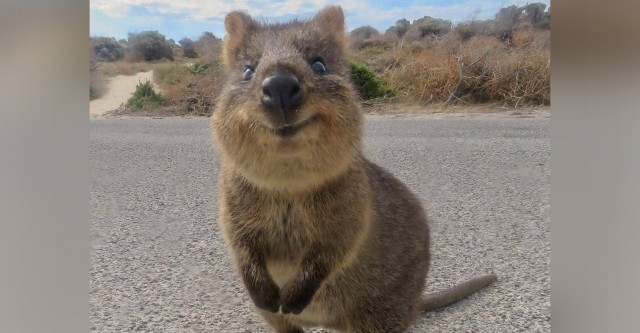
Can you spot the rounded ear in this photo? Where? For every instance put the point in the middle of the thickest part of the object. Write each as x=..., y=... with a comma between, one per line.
x=331, y=19
x=238, y=25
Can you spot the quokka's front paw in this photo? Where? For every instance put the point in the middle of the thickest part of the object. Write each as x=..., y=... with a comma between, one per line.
x=294, y=297
x=266, y=296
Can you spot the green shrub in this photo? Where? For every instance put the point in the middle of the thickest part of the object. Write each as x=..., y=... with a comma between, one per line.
x=367, y=82
x=401, y=27
x=431, y=26
x=198, y=68
x=93, y=93
x=107, y=48
x=188, y=48
x=149, y=46
x=145, y=97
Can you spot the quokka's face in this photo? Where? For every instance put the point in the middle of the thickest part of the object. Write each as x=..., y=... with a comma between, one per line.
x=285, y=77
x=288, y=100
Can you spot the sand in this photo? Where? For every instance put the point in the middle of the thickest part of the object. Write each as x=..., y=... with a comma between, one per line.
x=119, y=90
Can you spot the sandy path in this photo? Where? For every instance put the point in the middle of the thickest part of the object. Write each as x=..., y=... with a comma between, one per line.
x=119, y=90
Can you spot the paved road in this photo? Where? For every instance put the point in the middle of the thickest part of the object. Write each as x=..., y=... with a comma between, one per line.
x=158, y=263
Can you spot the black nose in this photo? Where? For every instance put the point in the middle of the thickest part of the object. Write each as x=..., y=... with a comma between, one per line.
x=282, y=92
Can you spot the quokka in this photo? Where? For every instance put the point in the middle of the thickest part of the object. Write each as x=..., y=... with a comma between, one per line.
x=321, y=236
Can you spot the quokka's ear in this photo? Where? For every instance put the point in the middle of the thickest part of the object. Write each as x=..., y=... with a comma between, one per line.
x=331, y=20
x=238, y=25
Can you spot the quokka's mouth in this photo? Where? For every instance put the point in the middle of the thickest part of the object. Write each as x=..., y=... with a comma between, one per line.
x=291, y=130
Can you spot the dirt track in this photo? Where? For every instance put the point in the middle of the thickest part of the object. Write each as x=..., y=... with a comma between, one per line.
x=119, y=89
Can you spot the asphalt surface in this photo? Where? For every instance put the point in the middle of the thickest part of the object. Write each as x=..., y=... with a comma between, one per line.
x=159, y=263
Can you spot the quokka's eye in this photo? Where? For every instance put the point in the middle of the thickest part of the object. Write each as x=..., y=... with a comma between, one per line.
x=248, y=73
x=318, y=67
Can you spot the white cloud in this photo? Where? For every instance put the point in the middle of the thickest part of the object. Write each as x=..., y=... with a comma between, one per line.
x=207, y=9
x=117, y=8
x=358, y=11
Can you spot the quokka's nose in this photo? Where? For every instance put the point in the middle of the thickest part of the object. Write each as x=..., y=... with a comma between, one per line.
x=282, y=92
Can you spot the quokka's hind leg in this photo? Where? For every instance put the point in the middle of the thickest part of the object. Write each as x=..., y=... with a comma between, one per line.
x=279, y=323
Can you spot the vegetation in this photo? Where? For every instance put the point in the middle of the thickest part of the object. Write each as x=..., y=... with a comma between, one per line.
x=93, y=92
x=208, y=47
x=190, y=87
x=427, y=27
x=97, y=81
x=145, y=97
x=107, y=48
x=149, y=46
x=502, y=60
x=367, y=82
x=399, y=29
x=188, y=48
x=123, y=67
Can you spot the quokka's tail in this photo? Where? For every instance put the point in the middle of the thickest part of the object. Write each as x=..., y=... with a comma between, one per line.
x=456, y=293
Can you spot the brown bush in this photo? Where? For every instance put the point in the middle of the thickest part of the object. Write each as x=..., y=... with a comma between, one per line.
x=378, y=41
x=418, y=73
x=492, y=71
x=504, y=60
x=467, y=29
x=522, y=76
x=124, y=67
x=191, y=88
x=532, y=39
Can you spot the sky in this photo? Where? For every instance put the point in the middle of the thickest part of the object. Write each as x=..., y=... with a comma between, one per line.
x=190, y=18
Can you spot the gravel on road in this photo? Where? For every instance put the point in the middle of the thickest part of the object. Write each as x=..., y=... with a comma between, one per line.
x=159, y=263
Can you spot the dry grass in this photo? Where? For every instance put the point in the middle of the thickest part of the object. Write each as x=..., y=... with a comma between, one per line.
x=124, y=67
x=450, y=69
x=492, y=71
x=189, y=87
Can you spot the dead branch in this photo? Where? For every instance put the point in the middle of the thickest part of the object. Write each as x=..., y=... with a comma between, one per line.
x=482, y=56
x=428, y=101
x=456, y=91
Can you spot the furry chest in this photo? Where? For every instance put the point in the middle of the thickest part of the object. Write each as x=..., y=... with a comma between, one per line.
x=284, y=236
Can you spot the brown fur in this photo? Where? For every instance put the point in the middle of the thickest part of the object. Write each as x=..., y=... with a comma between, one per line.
x=321, y=236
